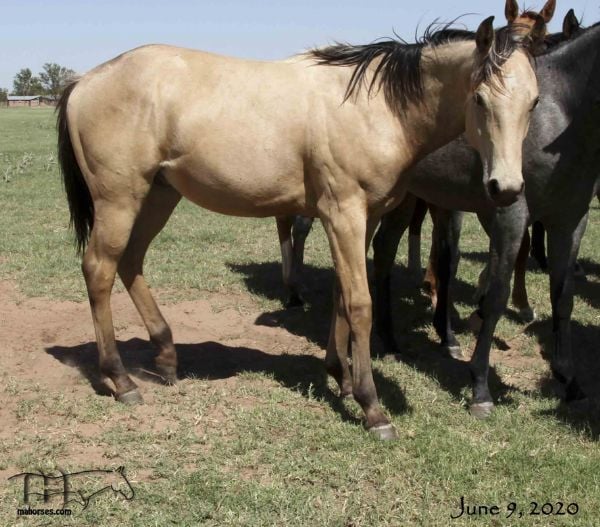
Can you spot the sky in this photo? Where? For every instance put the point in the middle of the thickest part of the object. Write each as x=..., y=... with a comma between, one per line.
x=82, y=34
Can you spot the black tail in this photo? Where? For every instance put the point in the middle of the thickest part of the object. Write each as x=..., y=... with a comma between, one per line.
x=81, y=205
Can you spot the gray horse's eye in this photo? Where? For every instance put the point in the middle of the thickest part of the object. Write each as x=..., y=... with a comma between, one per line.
x=478, y=99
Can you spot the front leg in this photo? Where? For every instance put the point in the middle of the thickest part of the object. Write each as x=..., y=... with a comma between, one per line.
x=346, y=226
x=506, y=235
x=563, y=247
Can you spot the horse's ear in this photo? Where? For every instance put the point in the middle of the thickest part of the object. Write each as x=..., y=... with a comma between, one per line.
x=537, y=34
x=511, y=11
x=548, y=12
x=570, y=24
x=121, y=469
x=485, y=36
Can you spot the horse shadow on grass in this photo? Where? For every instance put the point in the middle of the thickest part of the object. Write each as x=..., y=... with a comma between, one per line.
x=584, y=416
x=213, y=361
x=411, y=318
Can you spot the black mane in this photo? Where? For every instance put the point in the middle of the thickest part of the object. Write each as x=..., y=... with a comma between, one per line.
x=556, y=40
x=399, y=70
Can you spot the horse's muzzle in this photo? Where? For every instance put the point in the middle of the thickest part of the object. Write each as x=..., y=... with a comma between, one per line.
x=505, y=194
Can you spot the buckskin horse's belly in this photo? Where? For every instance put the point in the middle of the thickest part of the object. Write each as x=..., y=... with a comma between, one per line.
x=235, y=186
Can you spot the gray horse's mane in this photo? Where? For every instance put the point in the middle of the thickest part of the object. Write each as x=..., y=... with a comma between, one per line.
x=558, y=40
x=399, y=70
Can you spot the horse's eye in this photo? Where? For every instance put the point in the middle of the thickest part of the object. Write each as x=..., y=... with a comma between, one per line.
x=535, y=103
x=478, y=99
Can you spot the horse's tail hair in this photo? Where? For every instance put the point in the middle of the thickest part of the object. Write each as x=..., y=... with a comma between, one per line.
x=81, y=206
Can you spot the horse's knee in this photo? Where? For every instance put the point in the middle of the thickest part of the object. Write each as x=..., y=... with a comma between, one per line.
x=360, y=314
x=99, y=275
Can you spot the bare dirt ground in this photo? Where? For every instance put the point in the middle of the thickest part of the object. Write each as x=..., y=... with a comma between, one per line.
x=50, y=346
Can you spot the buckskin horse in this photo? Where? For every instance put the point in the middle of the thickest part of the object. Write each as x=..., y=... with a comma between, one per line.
x=259, y=139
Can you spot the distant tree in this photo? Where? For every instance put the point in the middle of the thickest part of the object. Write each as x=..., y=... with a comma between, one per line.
x=3, y=95
x=25, y=83
x=55, y=78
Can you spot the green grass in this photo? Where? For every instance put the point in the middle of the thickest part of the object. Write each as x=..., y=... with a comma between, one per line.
x=275, y=447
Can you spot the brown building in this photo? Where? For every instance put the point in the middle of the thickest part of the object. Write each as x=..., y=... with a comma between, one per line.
x=31, y=101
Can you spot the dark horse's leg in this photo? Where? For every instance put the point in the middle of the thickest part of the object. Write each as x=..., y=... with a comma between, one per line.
x=414, y=241
x=155, y=212
x=446, y=234
x=520, y=300
x=506, y=234
x=385, y=245
x=538, y=245
x=563, y=246
x=293, y=231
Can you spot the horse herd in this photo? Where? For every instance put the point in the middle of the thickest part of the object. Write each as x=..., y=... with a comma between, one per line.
x=503, y=123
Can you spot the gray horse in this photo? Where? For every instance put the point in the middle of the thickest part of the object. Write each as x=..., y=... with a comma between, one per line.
x=561, y=167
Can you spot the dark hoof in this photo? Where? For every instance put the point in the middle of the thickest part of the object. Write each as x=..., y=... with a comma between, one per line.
x=131, y=398
x=294, y=301
x=482, y=410
x=384, y=432
x=527, y=315
x=168, y=373
x=454, y=350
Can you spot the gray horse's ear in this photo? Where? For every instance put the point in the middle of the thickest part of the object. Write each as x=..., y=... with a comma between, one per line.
x=570, y=24
x=537, y=34
x=485, y=36
x=121, y=469
x=511, y=10
x=548, y=12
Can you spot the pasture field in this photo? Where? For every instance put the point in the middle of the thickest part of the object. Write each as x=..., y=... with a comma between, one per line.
x=253, y=434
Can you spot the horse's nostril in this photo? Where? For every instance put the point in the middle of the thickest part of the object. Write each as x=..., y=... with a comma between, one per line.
x=494, y=187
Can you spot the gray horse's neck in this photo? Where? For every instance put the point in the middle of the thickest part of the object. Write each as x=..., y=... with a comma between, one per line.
x=571, y=72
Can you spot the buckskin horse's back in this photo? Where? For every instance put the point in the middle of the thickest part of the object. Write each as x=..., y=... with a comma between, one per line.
x=171, y=104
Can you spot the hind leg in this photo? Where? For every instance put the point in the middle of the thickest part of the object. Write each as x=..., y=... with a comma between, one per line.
x=385, y=246
x=538, y=245
x=447, y=229
x=292, y=231
x=155, y=212
x=113, y=222
x=414, y=242
x=520, y=300
x=563, y=246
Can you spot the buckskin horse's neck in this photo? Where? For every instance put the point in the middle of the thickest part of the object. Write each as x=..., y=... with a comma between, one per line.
x=440, y=115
